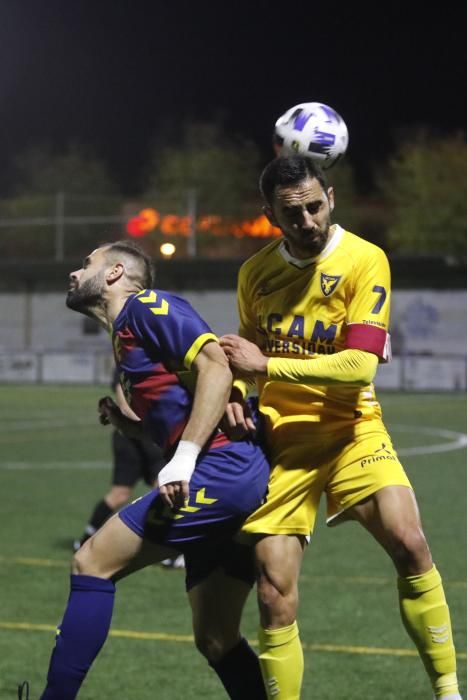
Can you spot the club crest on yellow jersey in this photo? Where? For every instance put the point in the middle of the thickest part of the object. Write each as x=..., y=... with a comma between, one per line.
x=329, y=283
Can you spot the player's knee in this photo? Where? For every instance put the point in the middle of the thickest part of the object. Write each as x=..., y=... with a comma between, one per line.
x=78, y=564
x=213, y=646
x=410, y=551
x=118, y=496
x=83, y=562
x=278, y=602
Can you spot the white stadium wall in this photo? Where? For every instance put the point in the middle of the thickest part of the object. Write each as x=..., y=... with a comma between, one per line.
x=43, y=341
x=41, y=322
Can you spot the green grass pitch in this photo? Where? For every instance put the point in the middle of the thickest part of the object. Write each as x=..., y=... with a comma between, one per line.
x=55, y=463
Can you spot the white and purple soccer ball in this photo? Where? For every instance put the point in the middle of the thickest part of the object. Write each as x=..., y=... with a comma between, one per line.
x=314, y=130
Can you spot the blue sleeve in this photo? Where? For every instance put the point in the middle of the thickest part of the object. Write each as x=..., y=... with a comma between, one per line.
x=170, y=325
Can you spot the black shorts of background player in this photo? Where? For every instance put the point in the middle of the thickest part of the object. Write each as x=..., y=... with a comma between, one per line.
x=133, y=461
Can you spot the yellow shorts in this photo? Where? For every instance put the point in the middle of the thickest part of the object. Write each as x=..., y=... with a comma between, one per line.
x=347, y=465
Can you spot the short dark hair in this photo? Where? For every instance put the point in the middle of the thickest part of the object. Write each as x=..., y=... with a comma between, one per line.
x=288, y=170
x=145, y=273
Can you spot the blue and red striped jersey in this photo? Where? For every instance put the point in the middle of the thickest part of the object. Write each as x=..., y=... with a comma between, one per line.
x=156, y=337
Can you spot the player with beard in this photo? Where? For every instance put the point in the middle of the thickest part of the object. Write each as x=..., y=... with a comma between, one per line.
x=177, y=380
x=314, y=315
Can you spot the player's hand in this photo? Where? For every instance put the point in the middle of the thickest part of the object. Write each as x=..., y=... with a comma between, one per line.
x=175, y=494
x=237, y=421
x=245, y=357
x=174, y=478
x=109, y=412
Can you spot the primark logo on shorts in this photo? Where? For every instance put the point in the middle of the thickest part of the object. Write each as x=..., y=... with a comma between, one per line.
x=379, y=456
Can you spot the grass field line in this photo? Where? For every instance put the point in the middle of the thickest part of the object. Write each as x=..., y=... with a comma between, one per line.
x=390, y=398
x=21, y=466
x=319, y=578
x=368, y=580
x=457, y=440
x=33, y=561
x=43, y=422
x=187, y=638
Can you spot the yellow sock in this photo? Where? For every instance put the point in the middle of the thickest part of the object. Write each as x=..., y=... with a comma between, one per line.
x=425, y=615
x=281, y=660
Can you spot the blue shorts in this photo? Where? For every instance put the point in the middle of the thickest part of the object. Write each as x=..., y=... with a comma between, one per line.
x=228, y=484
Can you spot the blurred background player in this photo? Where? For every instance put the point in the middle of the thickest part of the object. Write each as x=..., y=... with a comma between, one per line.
x=132, y=460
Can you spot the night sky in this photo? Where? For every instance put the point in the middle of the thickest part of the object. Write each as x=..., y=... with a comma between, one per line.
x=112, y=73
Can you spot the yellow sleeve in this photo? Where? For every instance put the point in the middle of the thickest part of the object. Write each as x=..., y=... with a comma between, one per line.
x=345, y=367
x=371, y=299
x=244, y=386
x=246, y=314
x=368, y=310
x=247, y=327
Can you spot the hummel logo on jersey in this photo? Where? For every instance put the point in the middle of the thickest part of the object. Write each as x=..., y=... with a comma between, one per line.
x=159, y=307
x=329, y=283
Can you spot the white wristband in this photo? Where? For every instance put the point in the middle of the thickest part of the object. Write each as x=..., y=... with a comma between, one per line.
x=182, y=464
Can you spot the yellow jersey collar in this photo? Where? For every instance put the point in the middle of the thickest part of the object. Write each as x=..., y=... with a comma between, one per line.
x=331, y=245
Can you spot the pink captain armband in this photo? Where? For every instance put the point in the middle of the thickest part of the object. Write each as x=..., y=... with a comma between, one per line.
x=362, y=336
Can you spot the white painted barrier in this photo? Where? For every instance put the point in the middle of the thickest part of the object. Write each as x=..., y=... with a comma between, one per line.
x=404, y=373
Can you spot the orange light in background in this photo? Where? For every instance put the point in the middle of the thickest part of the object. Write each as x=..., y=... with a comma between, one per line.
x=255, y=228
x=146, y=221
x=134, y=229
x=169, y=225
x=167, y=250
x=206, y=223
x=149, y=219
x=172, y=225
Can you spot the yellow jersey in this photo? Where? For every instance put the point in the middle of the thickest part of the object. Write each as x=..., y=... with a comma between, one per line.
x=303, y=308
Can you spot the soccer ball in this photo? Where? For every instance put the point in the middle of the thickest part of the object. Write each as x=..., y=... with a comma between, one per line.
x=314, y=130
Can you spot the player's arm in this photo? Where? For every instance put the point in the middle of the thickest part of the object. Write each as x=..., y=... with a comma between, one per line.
x=348, y=366
x=213, y=384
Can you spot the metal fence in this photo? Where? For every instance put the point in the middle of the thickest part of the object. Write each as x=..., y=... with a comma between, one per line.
x=67, y=226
